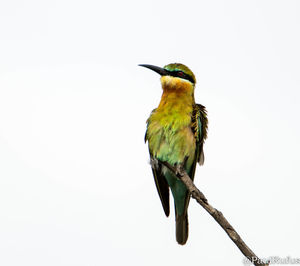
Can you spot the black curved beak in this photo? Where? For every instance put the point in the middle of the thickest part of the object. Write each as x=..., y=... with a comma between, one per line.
x=159, y=70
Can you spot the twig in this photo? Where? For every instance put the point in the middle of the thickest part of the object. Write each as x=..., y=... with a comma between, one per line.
x=217, y=215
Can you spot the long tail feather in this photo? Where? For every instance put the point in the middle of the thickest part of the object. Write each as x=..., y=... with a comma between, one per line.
x=182, y=229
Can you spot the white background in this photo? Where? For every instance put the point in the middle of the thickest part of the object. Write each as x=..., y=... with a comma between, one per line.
x=76, y=187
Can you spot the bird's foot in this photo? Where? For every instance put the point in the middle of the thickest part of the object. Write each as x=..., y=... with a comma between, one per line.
x=154, y=163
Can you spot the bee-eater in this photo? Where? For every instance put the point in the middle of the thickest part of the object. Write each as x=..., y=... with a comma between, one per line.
x=176, y=131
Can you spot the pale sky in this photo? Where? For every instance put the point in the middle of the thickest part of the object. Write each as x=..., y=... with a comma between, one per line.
x=76, y=188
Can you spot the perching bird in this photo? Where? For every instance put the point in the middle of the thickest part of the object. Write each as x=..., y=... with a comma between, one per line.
x=176, y=131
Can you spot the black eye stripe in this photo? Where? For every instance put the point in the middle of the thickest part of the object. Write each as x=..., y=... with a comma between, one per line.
x=181, y=74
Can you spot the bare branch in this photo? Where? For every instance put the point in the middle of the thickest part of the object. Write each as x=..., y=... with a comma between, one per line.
x=217, y=215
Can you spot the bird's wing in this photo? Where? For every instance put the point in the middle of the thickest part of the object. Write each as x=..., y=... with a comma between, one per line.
x=202, y=133
x=161, y=185
x=199, y=127
x=160, y=180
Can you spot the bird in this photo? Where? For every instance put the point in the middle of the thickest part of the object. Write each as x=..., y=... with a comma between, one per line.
x=176, y=131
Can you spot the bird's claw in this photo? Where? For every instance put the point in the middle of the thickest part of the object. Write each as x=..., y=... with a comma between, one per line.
x=154, y=163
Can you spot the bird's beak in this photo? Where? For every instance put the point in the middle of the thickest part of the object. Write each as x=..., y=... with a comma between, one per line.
x=159, y=70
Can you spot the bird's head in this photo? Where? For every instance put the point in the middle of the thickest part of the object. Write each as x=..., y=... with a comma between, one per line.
x=174, y=76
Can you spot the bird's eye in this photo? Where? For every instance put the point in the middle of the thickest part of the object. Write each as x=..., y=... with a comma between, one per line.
x=180, y=74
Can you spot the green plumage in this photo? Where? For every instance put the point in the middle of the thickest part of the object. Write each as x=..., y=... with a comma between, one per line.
x=176, y=131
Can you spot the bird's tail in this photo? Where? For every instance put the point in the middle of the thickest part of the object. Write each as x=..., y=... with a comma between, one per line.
x=182, y=228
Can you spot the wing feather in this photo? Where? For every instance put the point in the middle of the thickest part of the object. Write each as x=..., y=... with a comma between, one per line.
x=160, y=181
x=162, y=187
x=199, y=127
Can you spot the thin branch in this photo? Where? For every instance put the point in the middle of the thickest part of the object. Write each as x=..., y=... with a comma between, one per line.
x=217, y=215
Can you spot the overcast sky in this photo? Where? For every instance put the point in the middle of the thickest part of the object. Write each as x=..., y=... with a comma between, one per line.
x=76, y=188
